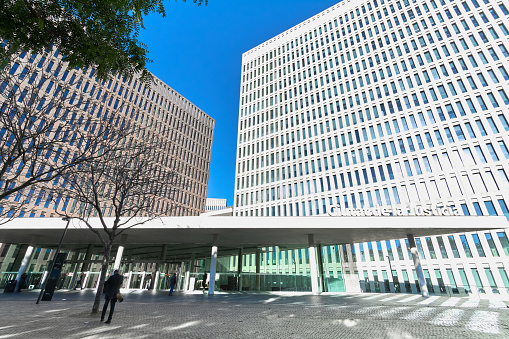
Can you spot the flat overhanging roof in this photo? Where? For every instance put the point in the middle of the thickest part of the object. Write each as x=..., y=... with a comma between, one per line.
x=186, y=235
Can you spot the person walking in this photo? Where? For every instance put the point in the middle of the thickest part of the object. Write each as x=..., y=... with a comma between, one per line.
x=148, y=281
x=80, y=281
x=22, y=282
x=111, y=288
x=204, y=280
x=173, y=282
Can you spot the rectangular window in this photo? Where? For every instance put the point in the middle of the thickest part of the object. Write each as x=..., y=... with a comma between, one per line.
x=466, y=248
x=452, y=242
x=478, y=245
x=441, y=245
x=504, y=242
x=491, y=244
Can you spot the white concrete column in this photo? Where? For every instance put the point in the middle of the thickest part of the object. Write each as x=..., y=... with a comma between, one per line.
x=142, y=280
x=25, y=262
x=239, y=270
x=129, y=277
x=417, y=266
x=76, y=267
x=257, y=263
x=162, y=258
x=312, y=265
x=120, y=252
x=85, y=280
x=98, y=281
x=213, y=262
x=189, y=269
x=43, y=278
x=321, y=275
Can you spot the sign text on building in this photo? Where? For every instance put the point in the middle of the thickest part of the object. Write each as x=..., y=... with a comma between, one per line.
x=429, y=210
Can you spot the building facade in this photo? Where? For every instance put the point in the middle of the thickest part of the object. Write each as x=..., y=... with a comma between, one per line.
x=391, y=104
x=212, y=204
x=185, y=132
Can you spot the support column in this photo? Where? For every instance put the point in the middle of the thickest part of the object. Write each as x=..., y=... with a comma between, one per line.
x=321, y=276
x=142, y=280
x=16, y=264
x=190, y=268
x=162, y=259
x=120, y=252
x=257, y=263
x=75, y=271
x=417, y=265
x=213, y=262
x=25, y=261
x=179, y=275
x=88, y=256
x=129, y=277
x=239, y=271
x=312, y=265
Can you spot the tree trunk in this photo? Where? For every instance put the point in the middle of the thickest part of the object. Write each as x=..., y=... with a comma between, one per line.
x=102, y=277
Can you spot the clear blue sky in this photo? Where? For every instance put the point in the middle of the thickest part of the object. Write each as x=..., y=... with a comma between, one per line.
x=198, y=52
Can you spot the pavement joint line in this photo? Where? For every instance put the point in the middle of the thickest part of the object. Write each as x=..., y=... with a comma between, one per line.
x=450, y=302
x=410, y=298
x=428, y=300
x=471, y=303
x=397, y=296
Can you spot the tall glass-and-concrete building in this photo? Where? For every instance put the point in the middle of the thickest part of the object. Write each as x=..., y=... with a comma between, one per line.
x=385, y=103
x=185, y=131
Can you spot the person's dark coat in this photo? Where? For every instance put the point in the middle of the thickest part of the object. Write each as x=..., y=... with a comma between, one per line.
x=112, y=286
x=23, y=281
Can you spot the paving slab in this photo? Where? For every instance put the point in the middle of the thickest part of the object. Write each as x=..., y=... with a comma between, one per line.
x=154, y=314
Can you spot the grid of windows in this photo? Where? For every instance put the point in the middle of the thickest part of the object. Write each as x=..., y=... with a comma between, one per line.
x=480, y=275
x=376, y=103
x=212, y=204
x=185, y=130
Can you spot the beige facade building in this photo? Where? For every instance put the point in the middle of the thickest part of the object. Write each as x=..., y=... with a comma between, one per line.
x=184, y=131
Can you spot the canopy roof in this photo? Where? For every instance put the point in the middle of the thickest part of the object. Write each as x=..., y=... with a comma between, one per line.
x=186, y=235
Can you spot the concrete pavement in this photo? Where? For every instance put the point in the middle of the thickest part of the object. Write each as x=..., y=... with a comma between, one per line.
x=148, y=314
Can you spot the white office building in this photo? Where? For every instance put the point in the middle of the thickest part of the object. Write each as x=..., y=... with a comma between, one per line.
x=212, y=204
x=399, y=104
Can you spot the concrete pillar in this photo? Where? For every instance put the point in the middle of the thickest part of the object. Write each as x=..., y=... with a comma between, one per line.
x=179, y=276
x=321, y=276
x=239, y=270
x=162, y=259
x=257, y=263
x=25, y=261
x=142, y=280
x=98, y=280
x=16, y=264
x=213, y=262
x=129, y=277
x=190, y=268
x=88, y=256
x=417, y=266
x=76, y=266
x=120, y=252
x=312, y=265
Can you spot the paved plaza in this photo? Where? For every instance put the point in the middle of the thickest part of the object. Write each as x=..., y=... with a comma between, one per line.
x=148, y=314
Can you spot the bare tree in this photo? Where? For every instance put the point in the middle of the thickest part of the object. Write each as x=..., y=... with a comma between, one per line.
x=122, y=187
x=47, y=126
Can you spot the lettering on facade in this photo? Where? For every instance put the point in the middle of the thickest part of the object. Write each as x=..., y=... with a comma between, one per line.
x=428, y=210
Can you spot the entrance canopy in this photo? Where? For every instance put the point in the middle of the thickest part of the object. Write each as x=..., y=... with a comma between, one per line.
x=194, y=235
